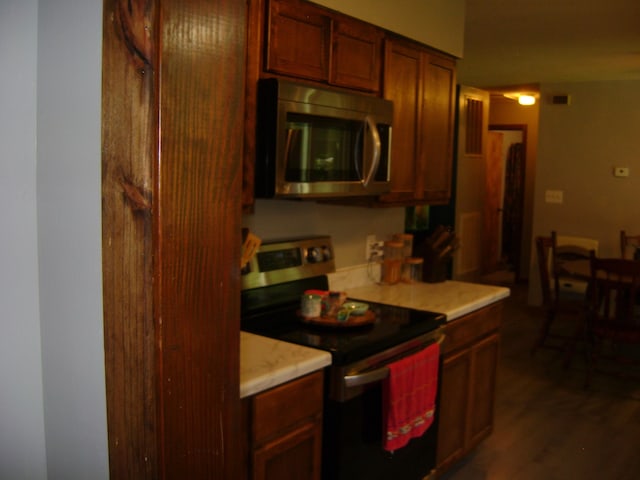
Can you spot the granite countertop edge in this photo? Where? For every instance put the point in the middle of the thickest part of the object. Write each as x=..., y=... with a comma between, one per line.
x=452, y=298
x=266, y=363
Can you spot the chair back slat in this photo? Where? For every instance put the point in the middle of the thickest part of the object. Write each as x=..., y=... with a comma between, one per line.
x=543, y=251
x=629, y=244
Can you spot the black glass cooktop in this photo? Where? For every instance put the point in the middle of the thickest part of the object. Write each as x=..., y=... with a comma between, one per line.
x=392, y=326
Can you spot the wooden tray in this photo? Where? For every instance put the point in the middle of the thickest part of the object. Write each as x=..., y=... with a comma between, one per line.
x=367, y=318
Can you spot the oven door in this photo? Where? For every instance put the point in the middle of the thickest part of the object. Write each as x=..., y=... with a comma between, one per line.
x=353, y=425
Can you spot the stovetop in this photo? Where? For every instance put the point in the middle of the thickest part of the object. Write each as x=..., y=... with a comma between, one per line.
x=272, y=288
x=392, y=326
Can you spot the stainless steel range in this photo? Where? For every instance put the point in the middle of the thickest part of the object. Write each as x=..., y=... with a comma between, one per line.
x=273, y=283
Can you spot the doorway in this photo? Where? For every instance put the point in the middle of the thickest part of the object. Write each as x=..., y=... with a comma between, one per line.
x=513, y=156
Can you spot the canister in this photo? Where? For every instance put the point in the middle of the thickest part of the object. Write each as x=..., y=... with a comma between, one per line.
x=392, y=262
x=412, y=270
x=311, y=305
x=407, y=243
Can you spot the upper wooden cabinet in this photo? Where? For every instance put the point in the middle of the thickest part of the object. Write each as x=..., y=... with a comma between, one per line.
x=298, y=39
x=356, y=55
x=421, y=84
x=311, y=42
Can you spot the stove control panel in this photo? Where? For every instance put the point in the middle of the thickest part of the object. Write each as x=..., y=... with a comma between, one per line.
x=281, y=261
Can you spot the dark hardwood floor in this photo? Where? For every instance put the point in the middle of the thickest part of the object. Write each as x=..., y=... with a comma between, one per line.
x=547, y=425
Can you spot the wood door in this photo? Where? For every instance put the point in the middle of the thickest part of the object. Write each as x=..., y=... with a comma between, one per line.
x=436, y=130
x=287, y=430
x=403, y=85
x=473, y=117
x=484, y=364
x=454, y=403
x=296, y=455
x=356, y=61
x=299, y=39
x=494, y=175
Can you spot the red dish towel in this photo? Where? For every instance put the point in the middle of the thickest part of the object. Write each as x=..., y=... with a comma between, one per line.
x=409, y=395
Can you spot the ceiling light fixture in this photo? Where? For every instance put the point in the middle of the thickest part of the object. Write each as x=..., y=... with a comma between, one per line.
x=526, y=99
x=523, y=98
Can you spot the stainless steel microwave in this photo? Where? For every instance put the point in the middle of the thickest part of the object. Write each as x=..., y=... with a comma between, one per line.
x=314, y=142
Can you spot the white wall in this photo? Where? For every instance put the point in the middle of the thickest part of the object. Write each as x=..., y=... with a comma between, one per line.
x=578, y=147
x=348, y=226
x=51, y=347
x=437, y=23
x=69, y=237
x=22, y=445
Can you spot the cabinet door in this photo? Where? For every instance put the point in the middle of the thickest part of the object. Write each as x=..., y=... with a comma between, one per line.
x=436, y=148
x=484, y=362
x=402, y=85
x=298, y=40
x=356, y=59
x=454, y=402
x=296, y=455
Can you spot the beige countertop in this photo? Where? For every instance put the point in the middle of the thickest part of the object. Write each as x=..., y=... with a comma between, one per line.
x=266, y=363
x=452, y=298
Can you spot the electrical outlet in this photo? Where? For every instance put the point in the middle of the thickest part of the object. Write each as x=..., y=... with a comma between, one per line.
x=377, y=250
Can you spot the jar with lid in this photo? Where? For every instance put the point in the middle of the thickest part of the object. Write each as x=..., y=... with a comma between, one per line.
x=392, y=263
x=412, y=270
x=407, y=243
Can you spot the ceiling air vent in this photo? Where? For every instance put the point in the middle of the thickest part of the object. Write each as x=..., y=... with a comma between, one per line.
x=560, y=99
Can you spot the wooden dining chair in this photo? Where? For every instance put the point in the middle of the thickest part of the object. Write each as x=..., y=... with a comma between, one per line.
x=559, y=307
x=613, y=319
x=629, y=246
x=569, y=248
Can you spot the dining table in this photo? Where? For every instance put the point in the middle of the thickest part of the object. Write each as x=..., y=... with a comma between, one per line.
x=581, y=269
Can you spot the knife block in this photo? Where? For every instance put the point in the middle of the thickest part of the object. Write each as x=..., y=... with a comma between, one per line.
x=435, y=267
x=435, y=271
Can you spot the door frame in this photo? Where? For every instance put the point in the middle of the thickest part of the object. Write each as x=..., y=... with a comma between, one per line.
x=521, y=127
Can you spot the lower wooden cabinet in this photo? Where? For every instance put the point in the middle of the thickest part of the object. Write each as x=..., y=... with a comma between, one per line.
x=285, y=425
x=467, y=390
x=293, y=455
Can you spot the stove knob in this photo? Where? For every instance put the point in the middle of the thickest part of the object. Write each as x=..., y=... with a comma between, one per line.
x=326, y=253
x=314, y=255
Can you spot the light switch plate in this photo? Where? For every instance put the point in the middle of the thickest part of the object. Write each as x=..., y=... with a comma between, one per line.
x=553, y=196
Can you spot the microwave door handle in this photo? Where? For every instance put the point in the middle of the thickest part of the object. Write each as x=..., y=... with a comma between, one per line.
x=375, y=157
x=287, y=145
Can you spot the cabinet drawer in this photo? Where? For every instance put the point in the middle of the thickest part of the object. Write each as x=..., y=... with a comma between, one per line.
x=472, y=327
x=282, y=407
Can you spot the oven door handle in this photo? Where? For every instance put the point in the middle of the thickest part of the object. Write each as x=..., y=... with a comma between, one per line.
x=364, y=378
